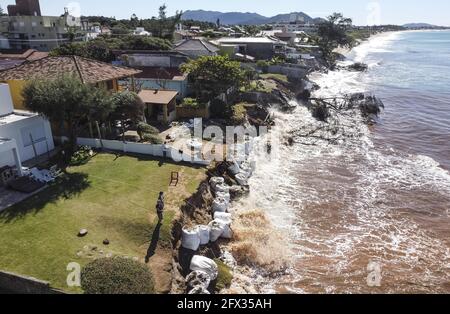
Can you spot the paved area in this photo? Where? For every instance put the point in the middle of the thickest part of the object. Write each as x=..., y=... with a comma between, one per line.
x=8, y=197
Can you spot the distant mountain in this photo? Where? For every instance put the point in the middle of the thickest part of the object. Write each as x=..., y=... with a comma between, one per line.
x=419, y=25
x=290, y=17
x=248, y=18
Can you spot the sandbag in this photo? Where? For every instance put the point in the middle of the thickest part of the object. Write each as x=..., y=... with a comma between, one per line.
x=222, y=188
x=224, y=217
x=199, y=290
x=203, y=232
x=216, y=230
x=215, y=181
x=234, y=168
x=219, y=205
x=227, y=232
x=204, y=264
x=190, y=239
x=198, y=279
x=241, y=179
x=225, y=196
x=247, y=169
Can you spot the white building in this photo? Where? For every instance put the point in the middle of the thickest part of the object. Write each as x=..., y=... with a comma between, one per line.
x=23, y=135
x=140, y=31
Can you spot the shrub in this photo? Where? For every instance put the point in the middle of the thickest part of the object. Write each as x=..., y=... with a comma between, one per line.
x=263, y=65
x=219, y=109
x=224, y=277
x=152, y=138
x=192, y=103
x=116, y=276
x=239, y=114
x=81, y=156
x=144, y=128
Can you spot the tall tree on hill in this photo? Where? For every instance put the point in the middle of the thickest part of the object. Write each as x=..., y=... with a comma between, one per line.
x=2, y=13
x=332, y=34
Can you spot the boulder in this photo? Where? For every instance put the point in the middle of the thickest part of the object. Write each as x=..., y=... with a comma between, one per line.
x=83, y=233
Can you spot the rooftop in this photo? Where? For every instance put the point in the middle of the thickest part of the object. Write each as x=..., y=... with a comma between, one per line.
x=248, y=40
x=159, y=97
x=195, y=44
x=10, y=60
x=16, y=116
x=88, y=70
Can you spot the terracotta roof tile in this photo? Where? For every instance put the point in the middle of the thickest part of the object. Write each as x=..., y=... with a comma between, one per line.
x=160, y=97
x=88, y=70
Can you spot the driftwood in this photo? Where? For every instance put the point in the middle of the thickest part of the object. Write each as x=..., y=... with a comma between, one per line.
x=333, y=112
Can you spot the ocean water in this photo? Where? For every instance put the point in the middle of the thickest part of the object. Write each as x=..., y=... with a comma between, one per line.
x=371, y=199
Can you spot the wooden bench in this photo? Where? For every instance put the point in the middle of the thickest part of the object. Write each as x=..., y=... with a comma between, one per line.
x=174, y=179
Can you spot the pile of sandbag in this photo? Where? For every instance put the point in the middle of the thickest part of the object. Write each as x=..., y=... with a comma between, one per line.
x=222, y=195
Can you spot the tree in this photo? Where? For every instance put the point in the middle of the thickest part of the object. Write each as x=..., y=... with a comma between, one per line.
x=333, y=34
x=212, y=75
x=134, y=21
x=101, y=47
x=67, y=100
x=128, y=109
x=162, y=17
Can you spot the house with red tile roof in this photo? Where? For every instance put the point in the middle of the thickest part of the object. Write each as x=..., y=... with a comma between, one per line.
x=87, y=70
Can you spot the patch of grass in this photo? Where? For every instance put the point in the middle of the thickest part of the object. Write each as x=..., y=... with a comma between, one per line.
x=280, y=77
x=113, y=197
x=225, y=275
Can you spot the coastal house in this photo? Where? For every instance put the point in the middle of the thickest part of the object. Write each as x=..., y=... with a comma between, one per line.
x=23, y=135
x=160, y=105
x=196, y=47
x=261, y=48
x=160, y=69
x=87, y=70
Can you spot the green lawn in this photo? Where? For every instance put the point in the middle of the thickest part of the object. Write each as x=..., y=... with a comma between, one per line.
x=113, y=197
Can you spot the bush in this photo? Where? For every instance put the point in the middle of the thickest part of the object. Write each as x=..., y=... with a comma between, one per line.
x=224, y=277
x=152, y=138
x=81, y=156
x=116, y=276
x=219, y=109
x=263, y=65
x=239, y=114
x=144, y=128
x=192, y=103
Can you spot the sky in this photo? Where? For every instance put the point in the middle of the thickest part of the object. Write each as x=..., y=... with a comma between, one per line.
x=363, y=12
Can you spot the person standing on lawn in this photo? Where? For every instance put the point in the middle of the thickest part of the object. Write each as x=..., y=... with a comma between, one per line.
x=160, y=207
